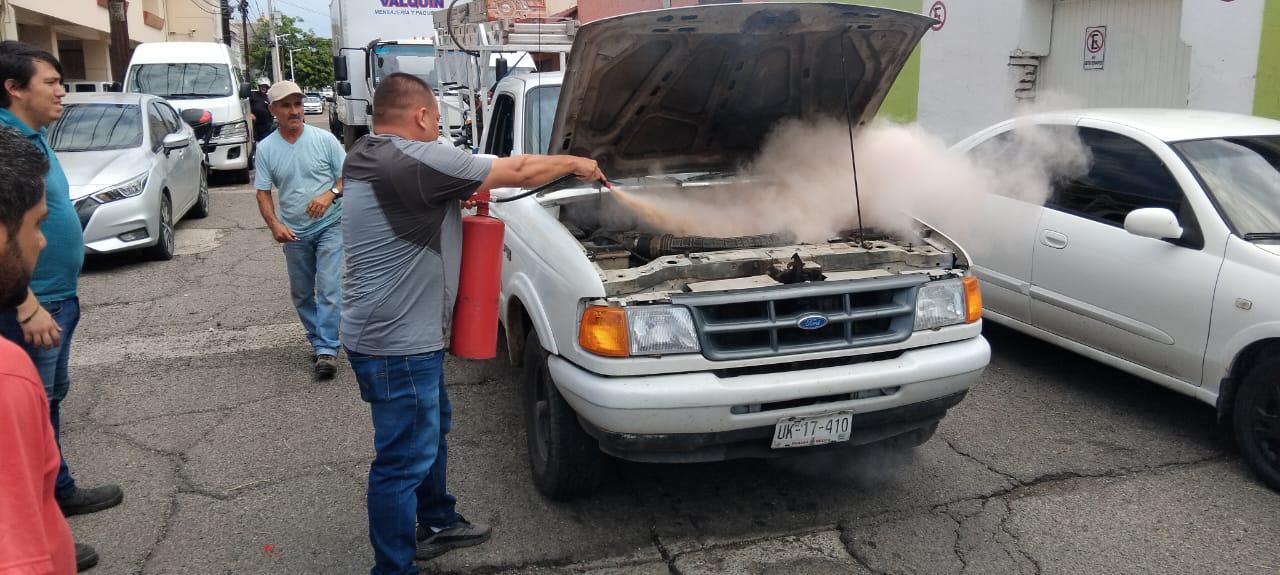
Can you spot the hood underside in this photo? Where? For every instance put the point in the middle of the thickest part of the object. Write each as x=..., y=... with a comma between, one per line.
x=700, y=88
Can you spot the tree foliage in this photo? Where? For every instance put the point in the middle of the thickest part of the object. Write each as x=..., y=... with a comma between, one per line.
x=313, y=62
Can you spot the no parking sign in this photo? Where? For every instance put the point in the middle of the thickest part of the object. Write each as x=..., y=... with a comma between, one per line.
x=1095, y=47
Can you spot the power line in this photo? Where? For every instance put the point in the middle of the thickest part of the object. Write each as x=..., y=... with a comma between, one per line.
x=201, y=6
x=308, y=9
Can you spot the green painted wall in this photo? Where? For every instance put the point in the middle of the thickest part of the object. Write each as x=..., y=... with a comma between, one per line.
x=903, y=100
x=1266, y=95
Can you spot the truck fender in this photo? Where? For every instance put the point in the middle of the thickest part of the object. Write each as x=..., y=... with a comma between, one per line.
x=518, y=294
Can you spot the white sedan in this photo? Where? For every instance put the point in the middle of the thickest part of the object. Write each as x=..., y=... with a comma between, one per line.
x=1163, y=260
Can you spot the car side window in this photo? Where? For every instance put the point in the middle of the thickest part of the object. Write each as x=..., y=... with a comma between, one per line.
x=1124, y=175
x=170, y=118
x=156, y=127
x=504, y=119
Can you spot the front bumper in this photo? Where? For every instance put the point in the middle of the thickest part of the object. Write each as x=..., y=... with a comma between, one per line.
x=234, y=156
x=313, y=109
x=703, y=417
x=109, y=221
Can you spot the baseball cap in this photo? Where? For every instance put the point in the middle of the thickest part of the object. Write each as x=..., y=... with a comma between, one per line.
x=264, y=82
x=280, y=90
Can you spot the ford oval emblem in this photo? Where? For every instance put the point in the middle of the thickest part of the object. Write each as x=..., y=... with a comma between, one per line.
x=814, y=321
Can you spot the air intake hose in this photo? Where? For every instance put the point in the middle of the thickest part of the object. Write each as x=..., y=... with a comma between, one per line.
x=655, y=246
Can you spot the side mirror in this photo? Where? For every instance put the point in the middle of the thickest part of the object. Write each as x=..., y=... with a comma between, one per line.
x=196, y=117
x=343, y=88
x=1154, y=223
x=175, y=142
x=244, y=91
x=340, y=68
x=200, y=120
x=500, y=70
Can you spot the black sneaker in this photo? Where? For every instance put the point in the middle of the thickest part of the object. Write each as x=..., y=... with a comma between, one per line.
x=463, y=534
x=326, y=366
x=86, y=557
x=83, y=501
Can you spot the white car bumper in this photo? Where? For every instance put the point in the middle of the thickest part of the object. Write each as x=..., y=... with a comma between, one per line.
x=110, y=222
x=230, y=156
x=702, y=416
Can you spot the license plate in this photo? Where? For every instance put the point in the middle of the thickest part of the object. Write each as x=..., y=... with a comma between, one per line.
x=810, y=431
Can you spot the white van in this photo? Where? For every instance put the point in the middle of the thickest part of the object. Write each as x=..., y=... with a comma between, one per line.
x=200, y=75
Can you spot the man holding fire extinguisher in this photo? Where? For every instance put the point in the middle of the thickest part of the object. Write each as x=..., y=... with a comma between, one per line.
x=401, y=226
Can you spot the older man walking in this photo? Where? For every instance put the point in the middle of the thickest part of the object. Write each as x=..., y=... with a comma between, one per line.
x=305, y=164
x=401, y=231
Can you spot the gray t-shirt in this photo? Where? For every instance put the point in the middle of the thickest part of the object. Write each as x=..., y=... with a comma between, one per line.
x=402, y=235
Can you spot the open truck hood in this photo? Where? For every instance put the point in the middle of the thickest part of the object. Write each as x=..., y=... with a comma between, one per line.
x=700, y=88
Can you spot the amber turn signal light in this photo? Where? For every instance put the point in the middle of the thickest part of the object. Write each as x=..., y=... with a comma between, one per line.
x=603, y=331
x=972, y=299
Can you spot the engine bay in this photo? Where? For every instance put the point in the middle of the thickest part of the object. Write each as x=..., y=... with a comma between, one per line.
x=638, y=262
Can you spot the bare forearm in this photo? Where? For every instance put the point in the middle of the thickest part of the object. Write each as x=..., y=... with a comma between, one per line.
x=266, y=208
x=29, y=305
x=527, y=171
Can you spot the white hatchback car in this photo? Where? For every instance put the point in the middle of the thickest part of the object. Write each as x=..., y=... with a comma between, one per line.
x=1163, y=260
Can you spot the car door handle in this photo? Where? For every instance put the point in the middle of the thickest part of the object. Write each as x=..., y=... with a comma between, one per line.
x=1055, y=240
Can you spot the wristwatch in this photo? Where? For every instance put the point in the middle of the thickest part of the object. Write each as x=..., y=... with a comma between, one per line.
x=336, y=192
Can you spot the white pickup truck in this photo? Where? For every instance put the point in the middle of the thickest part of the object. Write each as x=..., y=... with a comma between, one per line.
x=652, y=347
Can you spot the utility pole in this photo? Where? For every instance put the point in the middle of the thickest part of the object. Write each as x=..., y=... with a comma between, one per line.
x=291, y=73
x=275, y=45
x=118, y=16
x=225, y=10
x=244, y=35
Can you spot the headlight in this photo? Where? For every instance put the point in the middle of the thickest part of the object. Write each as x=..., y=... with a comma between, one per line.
x=640, y=330
x=233, y=132
x=126, y=189
x=948, y=302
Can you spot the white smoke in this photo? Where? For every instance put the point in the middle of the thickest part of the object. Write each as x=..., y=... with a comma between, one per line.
x=802, y=182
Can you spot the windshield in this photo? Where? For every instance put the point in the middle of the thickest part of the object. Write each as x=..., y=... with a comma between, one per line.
x=539, y=113
x=419, y=60
x=181, y=80
x=96, y=127
x=1243, y=176
x=312, y=100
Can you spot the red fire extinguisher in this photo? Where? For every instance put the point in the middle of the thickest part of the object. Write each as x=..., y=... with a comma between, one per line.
x=475, y=314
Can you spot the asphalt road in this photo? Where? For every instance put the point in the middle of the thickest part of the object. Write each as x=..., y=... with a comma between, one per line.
x=191, y=387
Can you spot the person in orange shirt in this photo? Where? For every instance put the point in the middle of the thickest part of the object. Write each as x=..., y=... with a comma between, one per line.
x=34, y=536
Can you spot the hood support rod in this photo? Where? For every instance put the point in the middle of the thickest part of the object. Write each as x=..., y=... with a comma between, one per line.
x=853, y=157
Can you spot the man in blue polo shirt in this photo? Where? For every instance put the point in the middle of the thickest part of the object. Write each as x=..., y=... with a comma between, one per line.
x=305, y=164
x=31, y=99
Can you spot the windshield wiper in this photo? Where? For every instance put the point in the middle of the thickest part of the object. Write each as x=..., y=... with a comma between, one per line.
x=191, y=95
x=1262, y=236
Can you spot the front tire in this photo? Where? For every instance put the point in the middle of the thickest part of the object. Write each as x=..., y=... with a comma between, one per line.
x=565, y=461
x=163, y=250
x=201, y=209
x=1256, y=419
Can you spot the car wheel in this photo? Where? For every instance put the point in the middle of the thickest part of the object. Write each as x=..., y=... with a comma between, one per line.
x=201, y=209
x=1257, y=421
x=565, y=461
x=163, y=250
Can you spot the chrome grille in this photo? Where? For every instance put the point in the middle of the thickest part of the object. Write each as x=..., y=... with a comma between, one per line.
x=765, y=322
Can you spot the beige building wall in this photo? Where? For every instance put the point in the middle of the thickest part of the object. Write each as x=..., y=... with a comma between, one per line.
x=81, y=28
x=189, y=22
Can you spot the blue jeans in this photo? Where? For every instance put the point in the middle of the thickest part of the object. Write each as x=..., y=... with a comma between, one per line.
x=51, y=364
x=315, y=283
x=411, y=416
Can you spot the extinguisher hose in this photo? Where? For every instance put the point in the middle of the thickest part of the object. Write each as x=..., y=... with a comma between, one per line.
x=539, y=189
